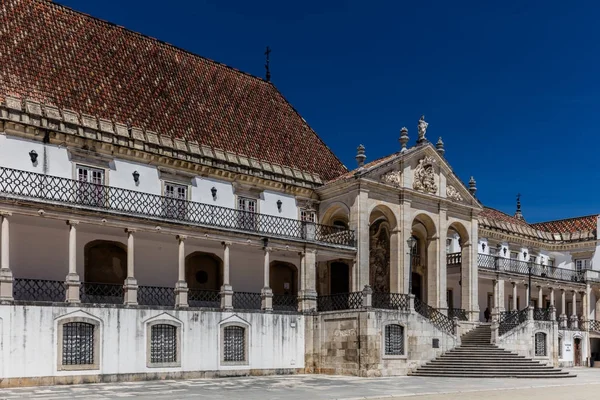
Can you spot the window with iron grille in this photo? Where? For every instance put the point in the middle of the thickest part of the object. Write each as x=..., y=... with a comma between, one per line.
x=234, y=344
x=163, y=344
x=394, y=340
x=78, y=343
x=175, y=201
x=540, y=344
x=90, y=189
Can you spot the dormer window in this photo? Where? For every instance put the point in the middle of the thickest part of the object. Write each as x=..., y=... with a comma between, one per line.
x=582, y=264
x=308, y=215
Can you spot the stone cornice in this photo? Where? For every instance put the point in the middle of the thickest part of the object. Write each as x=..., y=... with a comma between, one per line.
x=34, y=120
x=485, y=232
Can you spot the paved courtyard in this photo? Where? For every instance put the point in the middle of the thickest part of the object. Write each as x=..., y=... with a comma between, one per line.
x=309, y=387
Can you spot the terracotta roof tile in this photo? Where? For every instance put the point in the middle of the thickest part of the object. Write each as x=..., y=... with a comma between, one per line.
x=569, y=225
x=494, y=214
x=58, y=56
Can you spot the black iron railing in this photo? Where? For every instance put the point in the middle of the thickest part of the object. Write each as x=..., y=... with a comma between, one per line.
x=453, y=259
x=509, y=320
x=102, y=293
x=285, y=302
x=247, y=301
x=39, y=290
x=156, y=296
x=594, y=325
x=204, y=298
x=17, y=184
x=391, y=301
x=457, y=313
x=511, y=265
x=416, y=260
x=340, y=301
x=439, y=320
x=541, y=314
x=574, y=325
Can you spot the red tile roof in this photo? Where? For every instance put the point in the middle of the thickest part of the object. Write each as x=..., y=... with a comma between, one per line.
x=578, y=224
x=54, y=55
x=494, y=214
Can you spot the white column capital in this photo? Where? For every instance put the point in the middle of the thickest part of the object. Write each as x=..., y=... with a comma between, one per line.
x=226, y=243
x=5, y=213
x=267, y=249
x=181, y=238
x=130, y=230
x=72, y=222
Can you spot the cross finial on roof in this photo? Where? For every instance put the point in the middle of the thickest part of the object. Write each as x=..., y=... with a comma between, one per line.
x=267, y=66
x=518, y=213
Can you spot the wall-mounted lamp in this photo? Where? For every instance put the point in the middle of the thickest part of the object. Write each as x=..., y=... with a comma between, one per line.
x=525, y=255
x=33, y=155
x=279, y=203
x=136, y=177
x=213, y=191
x=504, y=250
x=483, y=246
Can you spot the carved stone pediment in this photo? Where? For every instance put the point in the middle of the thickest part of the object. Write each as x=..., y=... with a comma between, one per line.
x=453, y=194
x=393, y=178
x=424, y=176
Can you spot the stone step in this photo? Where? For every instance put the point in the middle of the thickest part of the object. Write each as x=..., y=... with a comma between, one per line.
x=508, y=361
x=437, y=367
x=493, y=375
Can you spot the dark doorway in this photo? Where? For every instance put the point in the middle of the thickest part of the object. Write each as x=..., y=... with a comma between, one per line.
x=203, y=271
x=577, y=361
x=283, y=278
x=340, y=278
x=417, y=285
x=105, y=262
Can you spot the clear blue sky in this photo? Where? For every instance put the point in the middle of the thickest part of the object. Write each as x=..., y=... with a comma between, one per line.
x=511, y=86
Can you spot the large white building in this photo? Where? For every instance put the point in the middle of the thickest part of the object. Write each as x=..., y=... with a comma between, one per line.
x=164, y=215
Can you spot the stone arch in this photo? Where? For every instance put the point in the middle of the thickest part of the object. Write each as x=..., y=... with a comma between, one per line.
x=337, y=214
x=425, y=259
x=105, y=261
x=457, y=265
x=383, y=212
x=283, y=277
x=203, y=271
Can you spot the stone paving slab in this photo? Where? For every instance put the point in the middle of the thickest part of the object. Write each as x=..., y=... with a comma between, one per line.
x=296, y=387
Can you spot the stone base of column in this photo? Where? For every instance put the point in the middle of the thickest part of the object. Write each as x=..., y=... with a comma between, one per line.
x=6, y=284
x=226, y=297
x=367, y=297
x=494, y=328
x=307, y=301
x=530, y=313
x=411, y=303
x=73, y=285
x=562, y=321
x=181, y=294
x=266, y=295
x=574, y=321
x=552, y=313
x=130, y=292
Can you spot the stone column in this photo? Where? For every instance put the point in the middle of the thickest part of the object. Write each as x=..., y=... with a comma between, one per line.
x=584, y=310
x=514, y=296
x=130, y=286
x=540, y=302
x=563, y=308
x=404, y=255
x=6, y=276
x=474, y=281
x=552, y=303
x=181, y=287
x=466, y=276
x=359, y=222
x=442, y=265
x=396, y=270
x=499, y=299
x=433, y=272
x=226, y=289
x=574, y=318
x=267, y=293
x=72, y=282
x=527, y=295
x=307, y=299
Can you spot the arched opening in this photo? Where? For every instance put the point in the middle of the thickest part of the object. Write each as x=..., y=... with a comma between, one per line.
x=337, y=215
x=203, y=271
x=283, y=278
x=457, y=274
x=339, y=277
x=424, y=259
x=381, y=221
x=577, y=352
x=105, y=262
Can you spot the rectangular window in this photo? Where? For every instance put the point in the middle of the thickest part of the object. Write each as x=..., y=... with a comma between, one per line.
x=582, y=264
x=247, y=218
x=90, y=186
x=533, y=259
x=551, y=262
x=308, y=216
x=163, y=344
x=78, y=344
x=175, y=201
x=514, y=255
x=234, y=344
x=394, y=340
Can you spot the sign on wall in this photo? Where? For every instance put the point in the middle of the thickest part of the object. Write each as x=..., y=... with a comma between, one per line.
x=568, y=347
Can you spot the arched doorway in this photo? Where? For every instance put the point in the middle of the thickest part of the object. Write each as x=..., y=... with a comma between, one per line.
x=424, y=266
x=339, y=278
x=203, y=271
x=379, y=256
x=577, y=352
x=105, y=262
x=283, y=278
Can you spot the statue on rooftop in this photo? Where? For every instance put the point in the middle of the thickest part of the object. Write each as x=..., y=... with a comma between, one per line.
x=422, y=129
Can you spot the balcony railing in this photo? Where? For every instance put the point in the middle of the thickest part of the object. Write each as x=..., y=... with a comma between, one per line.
x=453, y=259
x=156, y=296
x=285, y=302
x=39, y=290
x=102, y=293
x=594, y=325
x=247, y=301
x=340, y=301
x=204, y=298
x=391, y=301
x=30, y=186
x=541, y=314
x=489, y=262
x=458, y=313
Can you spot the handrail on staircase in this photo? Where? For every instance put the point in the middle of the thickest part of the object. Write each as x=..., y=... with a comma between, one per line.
x=509, y=320
x=438, y=319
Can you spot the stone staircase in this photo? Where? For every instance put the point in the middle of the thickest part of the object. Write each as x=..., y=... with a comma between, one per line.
x=478, y=358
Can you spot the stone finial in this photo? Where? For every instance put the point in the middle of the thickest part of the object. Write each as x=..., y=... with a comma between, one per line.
x=440, y=147
x=422, y=128
x=360, y=155
x=472, y=186
x=518, y=213
x=403, y=138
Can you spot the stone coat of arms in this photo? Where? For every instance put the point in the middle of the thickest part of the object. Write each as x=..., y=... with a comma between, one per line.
x=424, y=178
